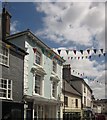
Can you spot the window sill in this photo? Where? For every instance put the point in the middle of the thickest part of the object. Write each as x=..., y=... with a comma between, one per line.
x=35, y=94
x=37, y=65
x=4, y=98
x=38, y=69
x=4, y=65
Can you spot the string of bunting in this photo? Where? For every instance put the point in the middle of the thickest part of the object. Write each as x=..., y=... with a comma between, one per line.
x=50, y=54
x=81, y=51
x=102, y=53
x=83, y=76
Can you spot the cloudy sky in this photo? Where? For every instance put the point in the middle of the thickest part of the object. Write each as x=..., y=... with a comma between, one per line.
x=68, y=26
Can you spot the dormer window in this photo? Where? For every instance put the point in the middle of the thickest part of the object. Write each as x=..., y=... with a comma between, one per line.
x=54, y=66
x=38, y=57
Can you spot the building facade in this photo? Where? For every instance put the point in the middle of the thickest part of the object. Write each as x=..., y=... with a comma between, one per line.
x=42, y=77
x=100, y=106
x=11, y=81
x=83, y=88
x=11, y=76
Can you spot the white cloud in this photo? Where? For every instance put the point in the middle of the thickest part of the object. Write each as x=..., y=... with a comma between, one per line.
x=77, y=24
x=13, y=27
x=98, y=85
x=73, y=22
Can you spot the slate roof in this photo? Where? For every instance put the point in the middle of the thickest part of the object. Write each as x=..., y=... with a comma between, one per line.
x=69, y=88
x=75, y=79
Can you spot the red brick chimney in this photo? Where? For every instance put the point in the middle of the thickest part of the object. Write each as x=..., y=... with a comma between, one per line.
x=67, y=72
x=5, y=23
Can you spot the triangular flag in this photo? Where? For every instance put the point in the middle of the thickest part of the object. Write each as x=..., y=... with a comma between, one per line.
x=88, y=51
x=67, y=51
x=104, y=54
x=89, y=57
x=71, y=57
x=82, y=57
x=74, y=52
x=95, y=51
x=59, y=51
x=99, y=55
x=101, y=50
x=34, y=49
x=81, y=51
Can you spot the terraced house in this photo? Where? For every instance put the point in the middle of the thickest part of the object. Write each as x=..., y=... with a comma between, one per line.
x=11, y=76
x=42, y=76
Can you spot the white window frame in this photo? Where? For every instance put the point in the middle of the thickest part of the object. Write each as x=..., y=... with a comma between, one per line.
x=3, y=55
x=40, y=85
x=54, y=66
x=54, y=89
x=37, y=53
x=6, y=89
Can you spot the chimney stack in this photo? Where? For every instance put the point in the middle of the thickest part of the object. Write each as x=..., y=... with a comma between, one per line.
x=5, y=24
x=67, y=72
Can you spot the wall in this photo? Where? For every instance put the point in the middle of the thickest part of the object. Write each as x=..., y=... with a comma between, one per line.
x=47, y=66
x=15, y=73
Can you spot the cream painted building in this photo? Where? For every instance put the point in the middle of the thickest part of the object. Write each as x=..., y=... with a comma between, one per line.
x=71, y=107
x=82, y=88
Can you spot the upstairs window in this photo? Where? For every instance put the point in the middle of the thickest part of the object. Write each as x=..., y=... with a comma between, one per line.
x=4, y=55
x=54, y=89
x=84, y=100
x=65, y=101
x=54, y=66
x=84, y=89
x=5, y=88
x=38, y=84
x=38, y=57
x=76, y=103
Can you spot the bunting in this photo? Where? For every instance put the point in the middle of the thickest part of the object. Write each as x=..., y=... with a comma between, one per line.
x=67, y=51
x=59, y=51
x=74, y=52
x=101, y=51
x=88, y=51
x=34, y=50
x=81, y=51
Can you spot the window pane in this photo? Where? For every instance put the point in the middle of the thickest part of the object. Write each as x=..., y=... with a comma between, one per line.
x=37, y=84
x=54, y=66
x=4, y=55
x=54, y=89
x=4, y=89
x=38, y=58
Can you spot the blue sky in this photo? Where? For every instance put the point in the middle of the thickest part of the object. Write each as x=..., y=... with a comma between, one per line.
x=67, y=26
